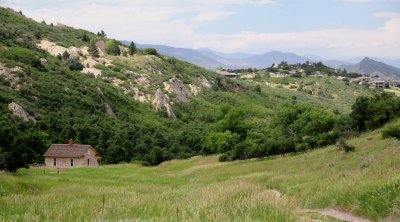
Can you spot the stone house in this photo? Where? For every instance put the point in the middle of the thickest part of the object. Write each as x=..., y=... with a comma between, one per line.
x=71, y=155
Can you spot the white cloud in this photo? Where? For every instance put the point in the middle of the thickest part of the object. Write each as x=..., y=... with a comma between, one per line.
x=337, y=43
x=212, y=16
x=175, y=23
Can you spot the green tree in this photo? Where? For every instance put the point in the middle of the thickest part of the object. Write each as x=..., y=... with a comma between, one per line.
x=102, y=34
x=85, y=38
x=112, y=47
x=132, y=48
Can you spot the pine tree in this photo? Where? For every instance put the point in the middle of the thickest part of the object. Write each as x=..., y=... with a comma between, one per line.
x=132, y=48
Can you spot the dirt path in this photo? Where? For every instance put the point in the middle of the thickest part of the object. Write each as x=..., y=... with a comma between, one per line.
x=340, y=215
x=336, y=214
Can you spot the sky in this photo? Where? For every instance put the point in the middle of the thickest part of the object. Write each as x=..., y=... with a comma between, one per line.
x=334, y=29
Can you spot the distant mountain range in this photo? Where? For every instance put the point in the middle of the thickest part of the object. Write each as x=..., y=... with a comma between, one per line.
x=372, y=67
x=211, y=59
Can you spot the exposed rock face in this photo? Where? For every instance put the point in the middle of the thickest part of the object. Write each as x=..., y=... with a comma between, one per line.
x=195, y=90
x=85, y=51
x=51, y=47
x=101, y=47
x=15, y=80
x=109, y=110
x=90, y=62
x=174, y=85
x=143, y=81
x=74, y=52
x=94, y=71
x=19, y=112
x=204, y=82
x=141, y=96
x=160, y=101
x=5, y=70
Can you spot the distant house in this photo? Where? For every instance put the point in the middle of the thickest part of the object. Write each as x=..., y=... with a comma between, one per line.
x=227, y=74
x=71, y=155
x=394, y=84
x=378, y=84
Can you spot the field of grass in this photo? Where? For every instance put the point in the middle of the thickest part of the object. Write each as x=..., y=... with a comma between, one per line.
x=364, y=183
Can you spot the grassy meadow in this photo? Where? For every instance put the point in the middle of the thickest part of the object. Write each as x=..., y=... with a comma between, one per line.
x=364, y=183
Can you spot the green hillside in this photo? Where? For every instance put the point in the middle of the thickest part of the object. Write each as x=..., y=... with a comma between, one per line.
x=364, y=183
x=151, y=108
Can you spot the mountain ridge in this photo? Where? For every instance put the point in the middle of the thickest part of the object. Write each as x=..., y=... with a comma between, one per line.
x=368, y=66
x=211, y=59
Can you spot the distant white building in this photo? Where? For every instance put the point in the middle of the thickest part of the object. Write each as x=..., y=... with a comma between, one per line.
x=227, y=74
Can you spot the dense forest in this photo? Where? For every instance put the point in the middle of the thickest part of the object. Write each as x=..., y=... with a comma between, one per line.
x=233, y=117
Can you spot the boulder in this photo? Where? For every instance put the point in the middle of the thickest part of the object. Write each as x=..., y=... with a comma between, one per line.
x=160, y=101
x=74, y=52
x=101, y=47
x=176, y=86
x=51, y=47
x=43, y=61
x=20, y=112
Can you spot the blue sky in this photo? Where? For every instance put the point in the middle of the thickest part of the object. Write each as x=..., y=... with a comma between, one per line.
x=329, y=28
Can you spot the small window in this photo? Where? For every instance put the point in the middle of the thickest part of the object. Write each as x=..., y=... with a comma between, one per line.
x=88, y=162
x=72, y=162
x=54, y=162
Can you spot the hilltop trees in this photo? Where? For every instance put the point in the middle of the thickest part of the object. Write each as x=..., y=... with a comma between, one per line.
x=102, y=34
x=132, y=48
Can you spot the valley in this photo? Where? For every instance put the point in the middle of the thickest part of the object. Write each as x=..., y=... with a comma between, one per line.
x=364, y=183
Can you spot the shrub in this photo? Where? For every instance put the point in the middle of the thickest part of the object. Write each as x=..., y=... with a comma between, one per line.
x=223, y=157
x=342, y=144
x=93, y=49
x=112, y=47
x=150, y=51
x=73, y=64
x=391, y=131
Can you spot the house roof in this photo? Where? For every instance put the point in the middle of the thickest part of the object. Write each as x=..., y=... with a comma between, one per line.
x=67, y=150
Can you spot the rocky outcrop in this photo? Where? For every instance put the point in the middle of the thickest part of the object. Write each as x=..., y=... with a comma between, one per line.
x=141, y=96
x=43, y=61
x=143, y=81
x=94, y=71
x=5, y=70
x=204, y=82
x=109, y=110
x=160, y=101
x=20, y=112
x=195, y=90
x=51, y=47
x=101, y=47
x=74, y=52
x=11, y=76
x=174, y=85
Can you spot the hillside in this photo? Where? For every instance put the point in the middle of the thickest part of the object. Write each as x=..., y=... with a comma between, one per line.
x=365, y=183
x=371, y=67
x=137, y=105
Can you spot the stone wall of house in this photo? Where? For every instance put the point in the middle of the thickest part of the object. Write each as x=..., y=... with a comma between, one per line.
x=78, y=162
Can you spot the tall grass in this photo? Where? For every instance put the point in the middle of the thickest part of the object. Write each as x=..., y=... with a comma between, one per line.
x=365, y=183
